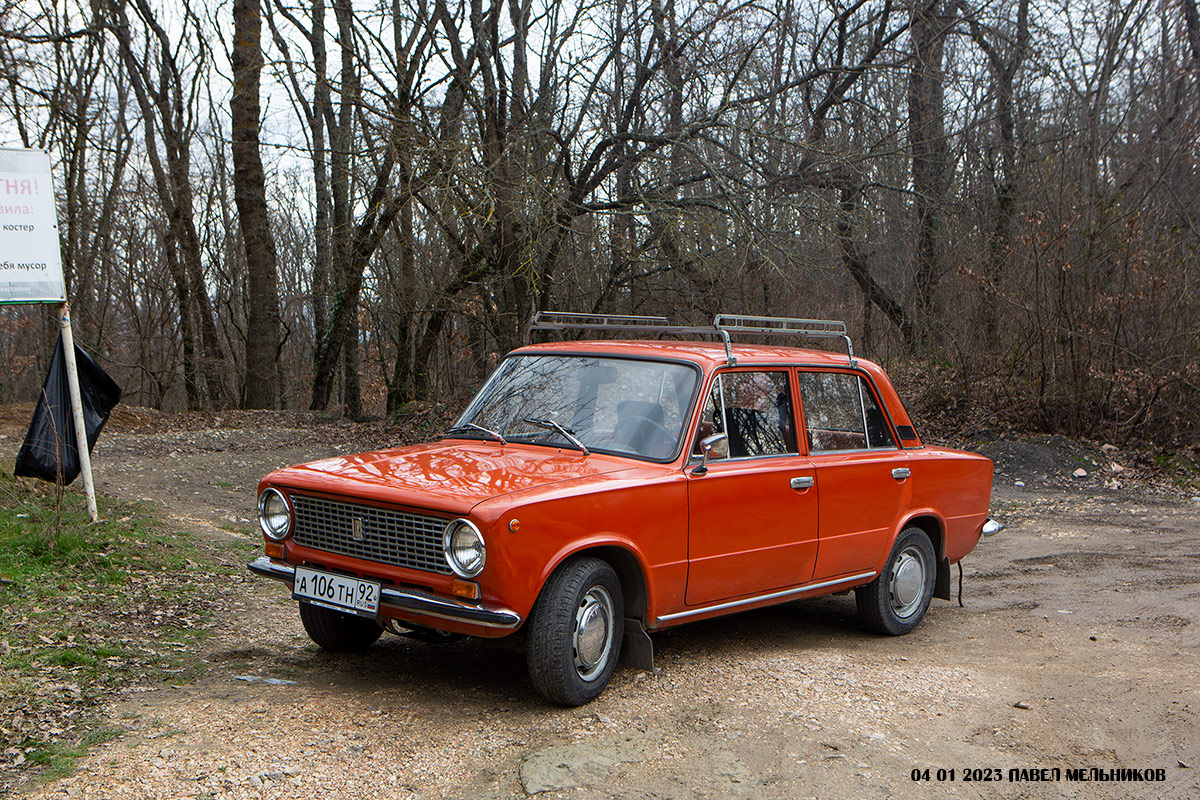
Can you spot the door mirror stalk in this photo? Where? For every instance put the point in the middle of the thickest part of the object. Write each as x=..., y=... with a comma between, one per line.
x=715, y=446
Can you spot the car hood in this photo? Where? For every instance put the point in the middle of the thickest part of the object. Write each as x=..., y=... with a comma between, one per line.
x=450, y=476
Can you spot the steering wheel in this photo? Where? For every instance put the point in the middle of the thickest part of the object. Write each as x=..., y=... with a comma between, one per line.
x=650, y=436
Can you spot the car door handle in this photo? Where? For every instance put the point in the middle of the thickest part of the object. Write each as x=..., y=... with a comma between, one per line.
x=803, y=482
x=900, y=473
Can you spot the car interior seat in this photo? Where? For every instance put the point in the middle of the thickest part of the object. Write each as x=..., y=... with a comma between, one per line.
x=639, y=425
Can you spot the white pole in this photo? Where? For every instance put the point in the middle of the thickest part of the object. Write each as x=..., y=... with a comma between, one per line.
x=85, y=458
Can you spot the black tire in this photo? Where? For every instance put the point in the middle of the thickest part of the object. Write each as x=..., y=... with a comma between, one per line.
x=898, y=598
x=575, y=632
x=338, y=632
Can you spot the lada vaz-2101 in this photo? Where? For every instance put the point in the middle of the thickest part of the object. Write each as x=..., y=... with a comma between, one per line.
x=597, y=490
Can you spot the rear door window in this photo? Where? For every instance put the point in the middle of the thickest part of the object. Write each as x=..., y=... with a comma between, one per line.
x=841, y=413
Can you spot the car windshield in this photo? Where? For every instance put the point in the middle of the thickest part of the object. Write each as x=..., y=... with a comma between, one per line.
x=614, y=405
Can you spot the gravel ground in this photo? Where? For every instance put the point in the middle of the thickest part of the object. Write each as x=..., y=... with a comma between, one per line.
x=1077, y=647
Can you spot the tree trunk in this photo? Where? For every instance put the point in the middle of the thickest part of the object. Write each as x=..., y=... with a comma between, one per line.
x=399, y=388
x=856, y=264
x=1192, y=23
x=262, y=315
x=338, y=342
x=930, y=154
x=323, y=256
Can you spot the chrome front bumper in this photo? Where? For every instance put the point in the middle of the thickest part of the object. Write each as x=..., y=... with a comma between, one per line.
x=409, y=601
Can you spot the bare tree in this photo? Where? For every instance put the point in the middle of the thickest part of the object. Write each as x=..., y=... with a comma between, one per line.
x=263, y=318
x=352, y=243
x=165, y=91
x=930, y=25
x=1192, y=27
x=1011, y=187
x=1005, y=45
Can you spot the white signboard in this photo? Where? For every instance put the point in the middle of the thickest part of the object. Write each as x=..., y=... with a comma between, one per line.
x=30, y=261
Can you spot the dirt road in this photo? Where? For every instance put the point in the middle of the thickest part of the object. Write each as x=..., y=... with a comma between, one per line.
x=1078, y=647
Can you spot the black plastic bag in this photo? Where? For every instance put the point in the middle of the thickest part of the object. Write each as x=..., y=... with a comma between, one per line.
x=50, y=449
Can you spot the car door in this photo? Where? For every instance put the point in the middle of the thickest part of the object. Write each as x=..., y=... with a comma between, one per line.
x=861, y=475
x=753, y=514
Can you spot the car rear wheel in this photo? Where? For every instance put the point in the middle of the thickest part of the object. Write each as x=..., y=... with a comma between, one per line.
x=338, y=632
x=898, y=598
x=575, y=632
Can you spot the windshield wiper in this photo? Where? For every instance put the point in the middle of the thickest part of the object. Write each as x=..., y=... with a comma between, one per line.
x=472, y=426
x=567, y=433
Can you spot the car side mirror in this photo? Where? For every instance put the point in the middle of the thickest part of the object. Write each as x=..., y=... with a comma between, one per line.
x=715, y=446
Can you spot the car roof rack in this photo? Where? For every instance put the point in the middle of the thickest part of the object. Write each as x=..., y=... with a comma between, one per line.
x=723, y=325
x=787, y=326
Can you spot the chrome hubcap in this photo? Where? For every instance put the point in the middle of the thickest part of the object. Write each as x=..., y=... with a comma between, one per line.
x=908, y=582
x=592, y=641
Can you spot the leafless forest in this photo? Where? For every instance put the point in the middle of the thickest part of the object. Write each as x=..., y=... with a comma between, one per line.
x=351, y=206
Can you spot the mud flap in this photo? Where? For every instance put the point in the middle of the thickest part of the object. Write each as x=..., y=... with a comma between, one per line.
x=638, y=649
x=941, y=587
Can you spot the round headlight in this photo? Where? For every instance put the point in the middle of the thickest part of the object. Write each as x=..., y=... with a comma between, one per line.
x=274, y=516
x=465, y=551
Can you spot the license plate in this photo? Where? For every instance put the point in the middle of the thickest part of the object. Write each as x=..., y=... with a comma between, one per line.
x=337, y=592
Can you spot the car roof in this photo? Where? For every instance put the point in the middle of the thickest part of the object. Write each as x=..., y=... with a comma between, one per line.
x=708, y=355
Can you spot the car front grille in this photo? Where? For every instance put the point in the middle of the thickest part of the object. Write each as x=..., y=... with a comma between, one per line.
x=389, y=537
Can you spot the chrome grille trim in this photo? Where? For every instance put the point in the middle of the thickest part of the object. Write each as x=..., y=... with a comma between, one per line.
x=388, y=537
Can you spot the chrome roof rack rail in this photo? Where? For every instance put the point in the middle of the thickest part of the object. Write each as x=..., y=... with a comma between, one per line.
x=786, y=326
x=723, y=325
x=568, y=321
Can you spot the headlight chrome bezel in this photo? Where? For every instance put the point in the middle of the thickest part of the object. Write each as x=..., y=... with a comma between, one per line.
x=459, y=568
x=271, y=532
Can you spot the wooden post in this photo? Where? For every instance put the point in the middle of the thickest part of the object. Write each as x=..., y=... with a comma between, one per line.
x=85, y=457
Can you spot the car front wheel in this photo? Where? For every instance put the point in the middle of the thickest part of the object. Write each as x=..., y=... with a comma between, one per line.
x=338, y=632
x=898, y=598
x=575, y=632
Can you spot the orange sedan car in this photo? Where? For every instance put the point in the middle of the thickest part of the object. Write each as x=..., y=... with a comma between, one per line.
x=594, y=491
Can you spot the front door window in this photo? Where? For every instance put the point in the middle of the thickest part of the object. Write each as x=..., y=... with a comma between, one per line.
x=755, y=410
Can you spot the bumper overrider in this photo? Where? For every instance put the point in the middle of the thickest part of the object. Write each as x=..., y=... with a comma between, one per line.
x=992, y=527
x=408, y=601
